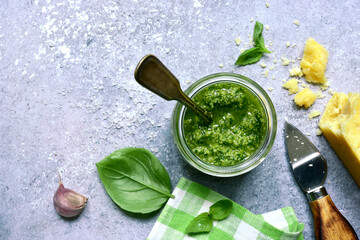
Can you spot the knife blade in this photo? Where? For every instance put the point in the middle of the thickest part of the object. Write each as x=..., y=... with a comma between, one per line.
x=309, y=166
x=310, y=169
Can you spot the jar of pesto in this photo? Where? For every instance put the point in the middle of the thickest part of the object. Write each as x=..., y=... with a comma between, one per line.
x=242, y=130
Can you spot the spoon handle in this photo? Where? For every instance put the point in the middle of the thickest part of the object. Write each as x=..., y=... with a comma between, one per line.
x=152, y=74
x=193, y=106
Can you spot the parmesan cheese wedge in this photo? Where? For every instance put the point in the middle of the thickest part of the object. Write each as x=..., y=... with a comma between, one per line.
x=340, y=124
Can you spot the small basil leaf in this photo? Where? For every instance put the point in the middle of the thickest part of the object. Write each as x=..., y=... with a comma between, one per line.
x=221, y=209
x=135, y=180
x=258, y=38
x=249, y=56
x=201, y=224
x=257, y=35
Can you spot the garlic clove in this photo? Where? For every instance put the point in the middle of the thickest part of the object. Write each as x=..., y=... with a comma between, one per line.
x=67, y=202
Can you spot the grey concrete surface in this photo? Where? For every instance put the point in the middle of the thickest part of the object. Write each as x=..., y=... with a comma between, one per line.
x=68, y=98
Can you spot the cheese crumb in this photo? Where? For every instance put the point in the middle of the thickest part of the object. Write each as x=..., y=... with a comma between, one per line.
x=237, y=41
x=271, y=67
x=242, y=50
x=318, y=132
x=319, y=94
x=325, y=86
x=188, y=81
x=251, y=20
x=292, y=86
x=275, y=61
x=331, y=91
x=267, y=27
x=285, y=61
x=270, y=88
x=305, y=98
x=296, y=22
x=267, y=5
x=313, y=63
x=314, y=114
x=273, y=78
x=266, y=73
x=294, y=45
x=221, y=65
x=304, y=85
x=263, y=65
x=284, y=80
x=296, y=72
x=287, y=44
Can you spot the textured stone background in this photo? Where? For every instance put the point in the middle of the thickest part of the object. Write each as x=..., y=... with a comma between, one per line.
x=68, y=99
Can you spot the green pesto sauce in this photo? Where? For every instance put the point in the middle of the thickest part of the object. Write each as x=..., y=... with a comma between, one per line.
x=237, y=128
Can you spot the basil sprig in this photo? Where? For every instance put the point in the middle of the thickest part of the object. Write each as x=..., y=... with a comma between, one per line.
x=254, y=54
x=135, y=180
x=203, y=223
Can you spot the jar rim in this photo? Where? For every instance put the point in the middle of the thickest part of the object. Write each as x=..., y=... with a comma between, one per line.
x=254, y=159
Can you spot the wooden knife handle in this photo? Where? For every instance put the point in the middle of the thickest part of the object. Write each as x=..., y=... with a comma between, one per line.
x=329, y=223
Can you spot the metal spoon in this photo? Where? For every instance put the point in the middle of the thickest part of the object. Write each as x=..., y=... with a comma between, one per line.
x=152, y=74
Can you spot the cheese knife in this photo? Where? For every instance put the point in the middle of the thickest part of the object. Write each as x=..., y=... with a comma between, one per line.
x=310, y=169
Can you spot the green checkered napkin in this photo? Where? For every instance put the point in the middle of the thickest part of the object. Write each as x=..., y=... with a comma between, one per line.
x=192, y=199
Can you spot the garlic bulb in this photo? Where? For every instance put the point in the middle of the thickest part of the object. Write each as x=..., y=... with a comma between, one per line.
x=67, y=202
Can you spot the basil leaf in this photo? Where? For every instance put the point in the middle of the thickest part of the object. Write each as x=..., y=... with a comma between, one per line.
x=249, y=56
x=201, y=224
x=258, y=38
x=221, y=209
x=257, y=35
x=135, y=180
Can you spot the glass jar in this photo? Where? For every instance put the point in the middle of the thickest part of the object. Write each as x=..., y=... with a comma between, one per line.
x=254, y=159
